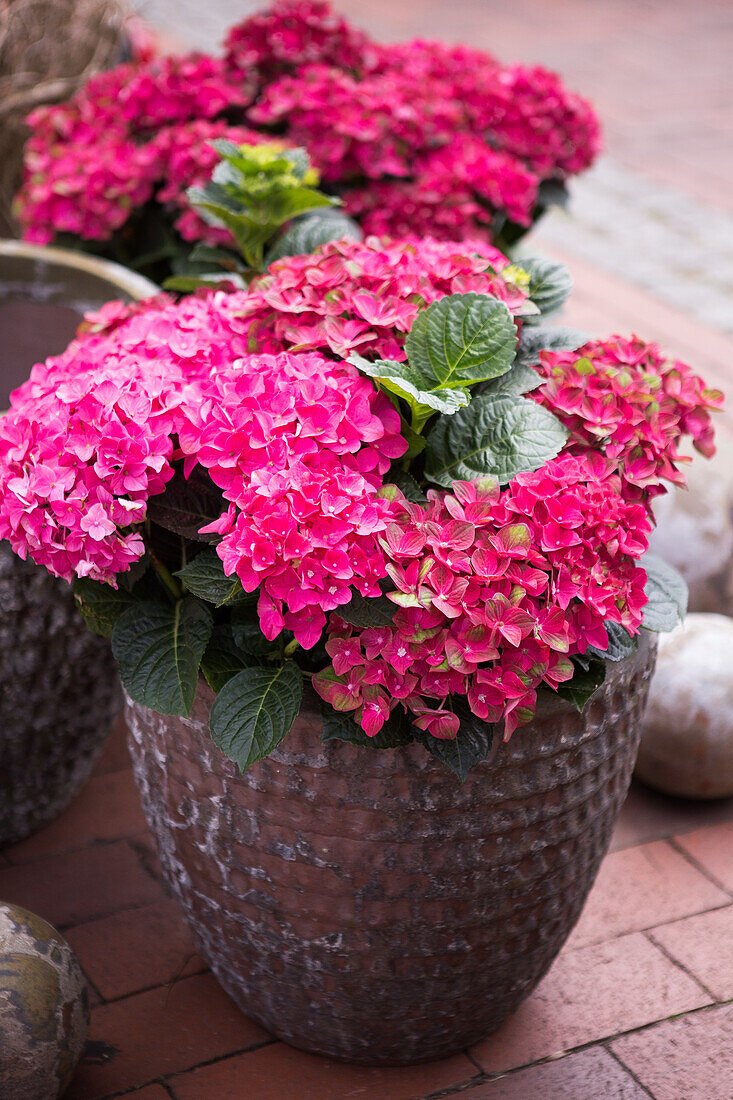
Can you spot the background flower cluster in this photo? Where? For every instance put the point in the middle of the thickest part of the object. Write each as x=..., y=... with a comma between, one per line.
x=417, y=137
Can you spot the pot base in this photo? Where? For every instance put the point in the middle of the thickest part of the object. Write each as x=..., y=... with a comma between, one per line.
x=368, y=906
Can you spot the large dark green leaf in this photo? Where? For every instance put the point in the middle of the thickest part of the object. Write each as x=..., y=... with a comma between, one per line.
x=363, y=611
x=471, y=745
x=584, y=683
x=159, y=649
x=620, y=644
x=535, y=339
x=187, y=505
x=223, y=657
x=248, y=635
x=205, y=577
x=502, y=436
x=407, y=484
x=666, y=594
x=341, y=726
x=309, y=231
x=519, y=379
x=550, y=283
x=459, y=340
x=254, y=711
x=101, y=605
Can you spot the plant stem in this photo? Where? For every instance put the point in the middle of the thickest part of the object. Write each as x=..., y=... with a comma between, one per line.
x=169, y=581
x=290, y=648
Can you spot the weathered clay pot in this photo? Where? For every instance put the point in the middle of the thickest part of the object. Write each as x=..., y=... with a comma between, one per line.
x=368, y=906
x=59, y=689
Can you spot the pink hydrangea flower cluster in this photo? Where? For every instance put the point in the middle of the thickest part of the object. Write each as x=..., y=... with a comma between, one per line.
x=624, y=398
x=454, y=193
x=288, y=35
x=89, y=437
x=494, y=591
x=92, y=162
x=416, y=137
x=364, y=295
x=299, y=446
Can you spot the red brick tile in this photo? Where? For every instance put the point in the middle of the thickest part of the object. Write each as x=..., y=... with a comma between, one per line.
x=650, y=815
x=704, y=946
x=79, y=886
x=161, y=1032
x=683, y=1059
x=278, y=1072
x=641, y=887
x=712, y=848
x=116, y=756
x=108, y=808
x=588, y=995
x=152, y=946
x=591, y=1073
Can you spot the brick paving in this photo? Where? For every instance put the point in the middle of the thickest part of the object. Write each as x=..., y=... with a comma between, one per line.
x=638, y=1003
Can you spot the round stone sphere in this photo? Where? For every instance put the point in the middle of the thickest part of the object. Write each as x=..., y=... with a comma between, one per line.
x=694, y=529
x=687, y=733
x=44, y=1008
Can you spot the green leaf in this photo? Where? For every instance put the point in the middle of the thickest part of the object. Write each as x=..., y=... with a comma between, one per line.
x=584, y=683
x=399, y=378
x=550, y=283
x=535, y=339
x=159, y=649
x=187, y=504
x=471, y=745
x=254, y=710
x=518, y=379
x=187, y=284
x=101, y=605
x=552, y=193
x=223, y=257
x=666, y=594
x=407, y=485
x=620, y=644
x=248, y=635
x=308, y=232
x=340, y=725
x=502, y=436
x=205, y=577
x=365, y=611
x=223, y=658
x=459, y=340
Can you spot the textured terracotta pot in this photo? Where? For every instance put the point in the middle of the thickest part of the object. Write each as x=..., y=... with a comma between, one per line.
x=59, y=689
x=366, y=905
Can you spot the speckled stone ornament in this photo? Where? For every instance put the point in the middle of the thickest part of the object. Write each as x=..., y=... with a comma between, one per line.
x=687, y=733
x=44, y=1008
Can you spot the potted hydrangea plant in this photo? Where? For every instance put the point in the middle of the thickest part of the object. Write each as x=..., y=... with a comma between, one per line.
x=414, y=138
x=369, y=540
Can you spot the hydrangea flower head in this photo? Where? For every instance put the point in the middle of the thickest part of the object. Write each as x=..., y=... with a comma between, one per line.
x=363, y=296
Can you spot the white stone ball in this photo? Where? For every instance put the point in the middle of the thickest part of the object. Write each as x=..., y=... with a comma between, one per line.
x=695, y=529
x=687, y=732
